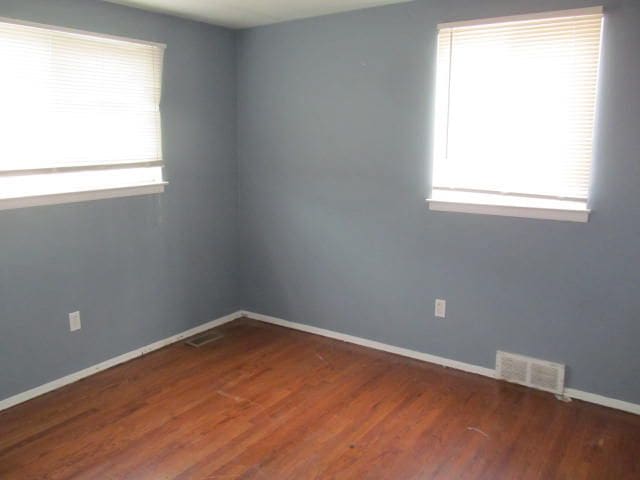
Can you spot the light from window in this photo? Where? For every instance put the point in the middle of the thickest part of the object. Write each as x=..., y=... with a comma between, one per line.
x=515, y=108
x=79, y=114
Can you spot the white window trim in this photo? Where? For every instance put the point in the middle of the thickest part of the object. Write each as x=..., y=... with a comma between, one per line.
x=76, y=31
x=83, y=196
x=527, y=16
x=92, y=194
x=568, y=215
x=580, y=215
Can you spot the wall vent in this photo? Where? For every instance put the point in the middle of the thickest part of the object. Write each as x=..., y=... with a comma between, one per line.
x=531, y=372
x=200, y=340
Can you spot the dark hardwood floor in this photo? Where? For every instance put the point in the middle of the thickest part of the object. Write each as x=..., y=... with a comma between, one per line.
x=266, y=402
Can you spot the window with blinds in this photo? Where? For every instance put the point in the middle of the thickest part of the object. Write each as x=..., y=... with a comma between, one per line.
x=79, y=116
x=515, y=108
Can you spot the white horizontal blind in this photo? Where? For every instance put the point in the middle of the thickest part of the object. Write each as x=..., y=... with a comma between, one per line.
x=79, y=112
x=515, y=107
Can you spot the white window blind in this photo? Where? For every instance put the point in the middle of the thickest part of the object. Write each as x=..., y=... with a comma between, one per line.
x=79, y=113
x=515, y=107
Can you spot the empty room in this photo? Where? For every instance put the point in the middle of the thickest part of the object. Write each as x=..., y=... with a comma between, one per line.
x=319, y=239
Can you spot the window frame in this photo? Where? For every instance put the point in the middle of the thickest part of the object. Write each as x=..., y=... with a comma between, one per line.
x=536, y=209
x=89, y=194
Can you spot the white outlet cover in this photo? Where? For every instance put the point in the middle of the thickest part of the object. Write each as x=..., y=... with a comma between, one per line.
x=74, y=321
x=441, y=308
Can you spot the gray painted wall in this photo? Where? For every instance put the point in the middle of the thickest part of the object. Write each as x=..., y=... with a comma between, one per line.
x=333, y=138
x=335, y=128
x=138, y=269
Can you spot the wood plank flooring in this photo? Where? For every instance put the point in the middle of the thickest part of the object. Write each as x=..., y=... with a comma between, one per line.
x=266, y=402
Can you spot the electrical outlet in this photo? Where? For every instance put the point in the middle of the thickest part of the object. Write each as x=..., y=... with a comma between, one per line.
x=441, y=308
x=74, y=321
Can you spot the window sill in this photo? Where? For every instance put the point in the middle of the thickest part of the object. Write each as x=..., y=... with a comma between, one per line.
x=561, y=214
x=74, y=197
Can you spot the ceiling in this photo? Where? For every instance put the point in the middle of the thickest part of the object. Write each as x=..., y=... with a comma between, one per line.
x=251, y=13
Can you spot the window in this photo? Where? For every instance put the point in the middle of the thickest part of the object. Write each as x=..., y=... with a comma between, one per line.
x=515, y=108
x=79, y=116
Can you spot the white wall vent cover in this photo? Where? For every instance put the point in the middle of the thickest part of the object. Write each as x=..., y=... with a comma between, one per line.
x=531, y=372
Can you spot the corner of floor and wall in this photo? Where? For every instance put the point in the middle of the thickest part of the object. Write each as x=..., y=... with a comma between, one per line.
x=138, y=269
x=297, y=156
x=335, y=128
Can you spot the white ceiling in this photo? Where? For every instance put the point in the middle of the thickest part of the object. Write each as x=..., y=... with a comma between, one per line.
x=251, y=13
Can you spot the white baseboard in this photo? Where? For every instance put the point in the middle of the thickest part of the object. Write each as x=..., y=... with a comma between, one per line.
x=112, y=362
x=425, y=357
x=445, y=362
x=602, y=400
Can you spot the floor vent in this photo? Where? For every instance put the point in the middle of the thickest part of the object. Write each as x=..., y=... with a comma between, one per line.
x=531, y=372
x=203, y=339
